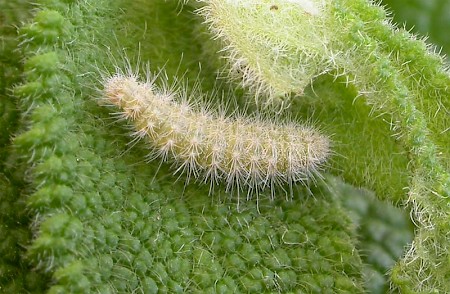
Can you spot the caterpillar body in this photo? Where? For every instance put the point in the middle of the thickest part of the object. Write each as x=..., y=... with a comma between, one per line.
x=245, y=152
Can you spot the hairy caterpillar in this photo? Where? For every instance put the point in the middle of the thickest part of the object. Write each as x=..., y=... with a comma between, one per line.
x=244, y=152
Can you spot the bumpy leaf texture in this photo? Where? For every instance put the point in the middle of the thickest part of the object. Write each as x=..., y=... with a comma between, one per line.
x=82, y=211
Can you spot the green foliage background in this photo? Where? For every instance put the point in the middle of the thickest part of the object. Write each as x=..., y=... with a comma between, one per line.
x=79, y=211
x=427, y=18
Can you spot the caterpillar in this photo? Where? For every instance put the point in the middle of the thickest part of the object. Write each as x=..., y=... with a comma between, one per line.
x=249, y=153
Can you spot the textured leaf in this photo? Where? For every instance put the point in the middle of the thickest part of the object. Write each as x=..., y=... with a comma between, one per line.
x=82, y=210
x=103, y=225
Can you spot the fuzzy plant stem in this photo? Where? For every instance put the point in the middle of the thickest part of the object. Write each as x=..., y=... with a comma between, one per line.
x=277, y=47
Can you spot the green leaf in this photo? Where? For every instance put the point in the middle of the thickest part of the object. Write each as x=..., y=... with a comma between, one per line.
x=104, y=225
x=83, y=210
